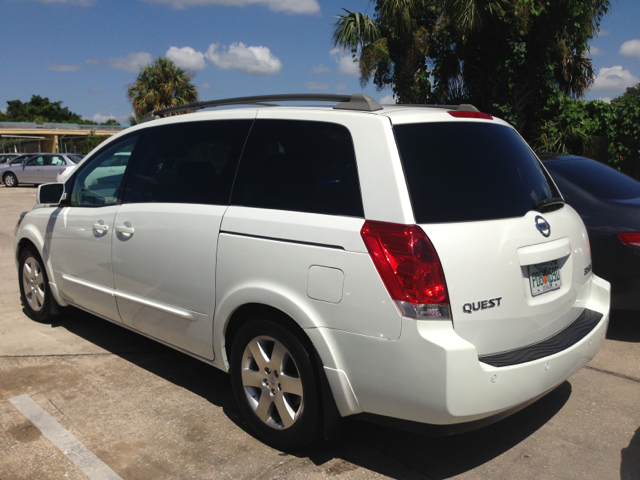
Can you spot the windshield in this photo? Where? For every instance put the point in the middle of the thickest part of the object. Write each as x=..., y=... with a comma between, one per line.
x=597, y=179
x=75, y=158
x=469, y=171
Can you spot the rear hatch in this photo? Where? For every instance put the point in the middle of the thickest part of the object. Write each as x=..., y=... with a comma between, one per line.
x=516, y=262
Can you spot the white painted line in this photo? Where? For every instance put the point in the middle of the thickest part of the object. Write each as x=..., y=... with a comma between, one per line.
x=91, y=465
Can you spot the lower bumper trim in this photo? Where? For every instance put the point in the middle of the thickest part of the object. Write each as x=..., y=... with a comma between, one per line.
x=564, y=339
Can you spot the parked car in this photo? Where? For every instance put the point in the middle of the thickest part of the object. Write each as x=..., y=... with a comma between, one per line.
x=405, y=265
x=19, y=160
x=609, y=203
x=5, y=157
x=39, y=168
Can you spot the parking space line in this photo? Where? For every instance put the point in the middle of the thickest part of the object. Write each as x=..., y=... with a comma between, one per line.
x=75, y=451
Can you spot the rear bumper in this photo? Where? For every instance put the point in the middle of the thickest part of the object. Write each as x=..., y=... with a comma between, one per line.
x=431, y=375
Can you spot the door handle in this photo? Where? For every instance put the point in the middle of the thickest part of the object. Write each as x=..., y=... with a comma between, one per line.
x=126, y=228
x=101, y=227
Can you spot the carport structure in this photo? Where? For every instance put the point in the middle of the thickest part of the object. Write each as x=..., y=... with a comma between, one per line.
x=49, y=136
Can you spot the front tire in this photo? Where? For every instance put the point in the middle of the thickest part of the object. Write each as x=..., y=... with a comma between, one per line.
x=35, y=293
x=10, y=180
x=275, y=385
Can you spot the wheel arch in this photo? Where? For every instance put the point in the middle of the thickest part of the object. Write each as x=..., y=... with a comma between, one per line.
x=245, y=312
x=30, y=236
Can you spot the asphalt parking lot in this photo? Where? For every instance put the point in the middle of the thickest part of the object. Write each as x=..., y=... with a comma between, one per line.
x=148, y=412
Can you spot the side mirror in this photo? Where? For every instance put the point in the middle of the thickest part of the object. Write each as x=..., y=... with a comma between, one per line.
x=50, y=194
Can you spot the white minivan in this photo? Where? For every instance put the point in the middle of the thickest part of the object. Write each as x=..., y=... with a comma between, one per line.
x=407, y=265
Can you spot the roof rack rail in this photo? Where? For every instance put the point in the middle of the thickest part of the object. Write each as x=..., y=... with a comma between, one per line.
x=357, y=101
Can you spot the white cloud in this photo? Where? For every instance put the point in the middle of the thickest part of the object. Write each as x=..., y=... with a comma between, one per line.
x=631, y=48
x=387, y=99
x=205, y=86
x=604, y=99
x=595, y=51
x=64, y=68
x=603, y=33
x=286, y=6
x=98, y=90
x=251, y=60
x=320, y=68
x=341, y=86
x=131, y=63
x=316, y=86
x=346, y=65
x=82, y=3
x=91, y=61
x=186, y=57
x=614, y=79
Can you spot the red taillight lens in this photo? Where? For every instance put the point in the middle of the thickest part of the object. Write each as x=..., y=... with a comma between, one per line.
x=630, y=238
x=409, y=267
x=469, y=114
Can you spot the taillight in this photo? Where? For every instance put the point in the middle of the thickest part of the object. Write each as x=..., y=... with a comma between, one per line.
x=470, y=114
x=409, y=267
x=630, y=238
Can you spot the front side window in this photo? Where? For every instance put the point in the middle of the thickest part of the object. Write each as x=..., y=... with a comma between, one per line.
x=191, y=162
x=39, y=160
x=301, y=166
x=99, y=183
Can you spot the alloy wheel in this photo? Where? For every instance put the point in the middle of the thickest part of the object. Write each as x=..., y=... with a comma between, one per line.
x=272, y=382
x=33, y=283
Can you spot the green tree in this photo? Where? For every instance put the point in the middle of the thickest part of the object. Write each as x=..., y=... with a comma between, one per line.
x=41, y=109
x=161, y=85
x=111, y=122
x=630, y=92
x=508, y=57
x=92, y=141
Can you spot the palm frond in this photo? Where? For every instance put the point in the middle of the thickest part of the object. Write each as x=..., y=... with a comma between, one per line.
x=354, y=30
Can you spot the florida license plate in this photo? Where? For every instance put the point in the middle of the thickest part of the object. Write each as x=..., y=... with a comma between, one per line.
x=544, y=277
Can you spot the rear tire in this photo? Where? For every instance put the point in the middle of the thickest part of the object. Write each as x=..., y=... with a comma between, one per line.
x=35, y=293
x=10, y=180
x=275, y=385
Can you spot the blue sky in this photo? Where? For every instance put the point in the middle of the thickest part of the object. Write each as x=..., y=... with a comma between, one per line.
x=85, y=52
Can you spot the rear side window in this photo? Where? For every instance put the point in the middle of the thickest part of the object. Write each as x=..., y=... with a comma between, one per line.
x=597, y=179
x=299, y=166
x=469, y=171
x=192, y=162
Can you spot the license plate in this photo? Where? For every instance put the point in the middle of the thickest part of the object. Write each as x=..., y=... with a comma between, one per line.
x=544, y=277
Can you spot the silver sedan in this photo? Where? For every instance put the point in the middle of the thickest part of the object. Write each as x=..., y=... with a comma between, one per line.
x=41, y=168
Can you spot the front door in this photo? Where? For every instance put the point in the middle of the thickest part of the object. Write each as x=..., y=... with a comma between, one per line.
x=82, y=235
x=166, y=231
x=31, y=171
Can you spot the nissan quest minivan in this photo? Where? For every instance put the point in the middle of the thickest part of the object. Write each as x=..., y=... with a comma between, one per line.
x=407, y=265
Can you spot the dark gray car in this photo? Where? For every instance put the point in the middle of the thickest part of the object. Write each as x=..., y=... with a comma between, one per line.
x=39, y=168
x=609, y=203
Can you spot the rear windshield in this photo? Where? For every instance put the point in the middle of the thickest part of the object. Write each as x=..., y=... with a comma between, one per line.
x=469, y=171
x=597, y=179
x=75, y=158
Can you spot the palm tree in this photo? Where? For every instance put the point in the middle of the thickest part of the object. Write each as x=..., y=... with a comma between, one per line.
x=159, y=85
x=506, y=56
